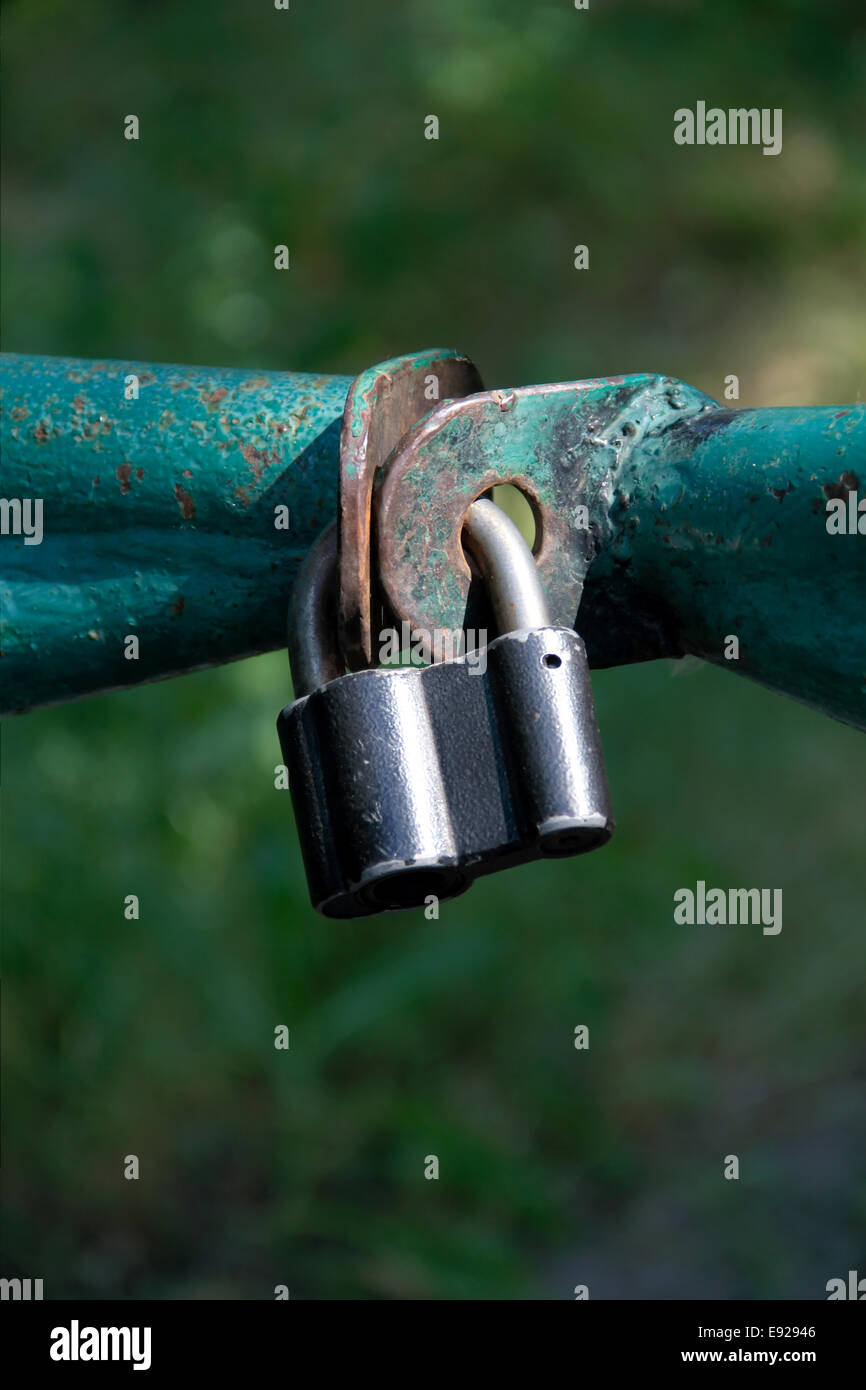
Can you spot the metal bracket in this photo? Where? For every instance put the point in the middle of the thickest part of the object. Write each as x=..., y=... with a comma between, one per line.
x=383, y=403
x=561, y=445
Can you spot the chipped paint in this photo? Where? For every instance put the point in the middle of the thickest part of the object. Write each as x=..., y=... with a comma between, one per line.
x=185, y=502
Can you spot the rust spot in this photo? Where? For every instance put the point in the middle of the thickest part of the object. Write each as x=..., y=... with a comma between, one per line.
x=187, y=473
x=179, y=605
x=212, y=398
x=96, y=481
x=78, y=404
x=123, y=473
x=848, y=482
x=258, y=459
x=139, y=473
x=167, y=418
x=242, y=496
x=254, y=385
x=19, y=412
x=841, y=414
x=94, y=635
x=185, y=502
x=40, y=434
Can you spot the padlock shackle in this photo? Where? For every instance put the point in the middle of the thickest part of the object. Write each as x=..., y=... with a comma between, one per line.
x=499, y=550
x=314, y=656
x=507, y=566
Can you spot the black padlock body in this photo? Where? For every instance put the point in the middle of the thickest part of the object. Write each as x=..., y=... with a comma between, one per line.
x=549, y=739
x=414, y=781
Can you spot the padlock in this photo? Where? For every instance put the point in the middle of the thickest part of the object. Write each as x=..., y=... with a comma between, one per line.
x=410, y=782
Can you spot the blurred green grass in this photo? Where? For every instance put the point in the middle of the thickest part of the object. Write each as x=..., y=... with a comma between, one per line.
x=453, y=1037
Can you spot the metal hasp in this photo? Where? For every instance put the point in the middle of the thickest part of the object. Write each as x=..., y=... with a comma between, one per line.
x=411, y=782
x=383, y=403
x=670, y=521
x=673, y=524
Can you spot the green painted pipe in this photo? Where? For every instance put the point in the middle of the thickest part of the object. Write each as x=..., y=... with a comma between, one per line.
x=747, y=524
x=158, y=522
x=158, y=516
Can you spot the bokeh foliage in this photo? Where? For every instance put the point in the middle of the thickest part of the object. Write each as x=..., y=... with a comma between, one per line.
x=453, y=1037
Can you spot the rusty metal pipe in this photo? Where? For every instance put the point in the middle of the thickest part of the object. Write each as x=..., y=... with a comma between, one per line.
x=161, y=517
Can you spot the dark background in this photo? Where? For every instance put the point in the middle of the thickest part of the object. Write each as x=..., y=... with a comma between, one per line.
x=410, y=1037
